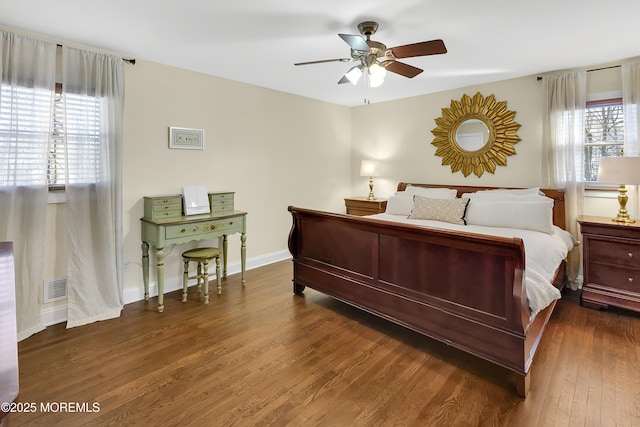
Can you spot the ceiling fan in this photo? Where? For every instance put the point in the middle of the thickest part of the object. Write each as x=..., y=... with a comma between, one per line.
x=376, y=58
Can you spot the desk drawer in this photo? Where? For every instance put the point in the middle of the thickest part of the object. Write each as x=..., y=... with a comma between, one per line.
x=225, y=206
x=167, y=213
x=162, y=207
x=214, y=226
x=221, y=202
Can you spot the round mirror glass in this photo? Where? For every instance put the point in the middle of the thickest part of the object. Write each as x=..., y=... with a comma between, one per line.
x=472, y=135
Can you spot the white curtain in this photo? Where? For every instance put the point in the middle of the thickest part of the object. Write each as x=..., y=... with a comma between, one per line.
x=27, y=77
x=94, y=83
x=563, y=133
x=630, y=98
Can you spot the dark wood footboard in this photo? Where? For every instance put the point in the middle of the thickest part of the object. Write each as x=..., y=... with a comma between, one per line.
x=463, y=289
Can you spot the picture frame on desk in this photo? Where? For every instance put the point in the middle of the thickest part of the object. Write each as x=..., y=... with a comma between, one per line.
x=186, y=138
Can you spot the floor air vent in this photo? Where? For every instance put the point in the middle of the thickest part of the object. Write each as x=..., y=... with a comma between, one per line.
x=55, y=290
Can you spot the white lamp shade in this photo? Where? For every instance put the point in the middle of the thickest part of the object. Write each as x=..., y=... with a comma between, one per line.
x=377, y=74
x=354, y=74
x=619, y=170
x=369, y=168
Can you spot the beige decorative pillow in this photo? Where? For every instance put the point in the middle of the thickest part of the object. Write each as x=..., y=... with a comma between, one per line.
x=446, y=210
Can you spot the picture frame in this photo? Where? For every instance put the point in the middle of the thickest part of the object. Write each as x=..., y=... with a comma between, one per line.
x=186, y=138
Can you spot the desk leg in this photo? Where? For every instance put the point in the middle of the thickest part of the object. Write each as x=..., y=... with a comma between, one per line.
x=160, y=269
x=145, y=269
x=243, y=255
x=225, y=246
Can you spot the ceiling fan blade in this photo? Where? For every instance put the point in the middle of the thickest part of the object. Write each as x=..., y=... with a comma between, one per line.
x=433, y=47
x=356, y=42
x=401, y=68
x=322, y=61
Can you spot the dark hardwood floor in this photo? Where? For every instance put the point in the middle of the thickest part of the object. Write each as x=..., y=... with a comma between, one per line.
x=259, y=355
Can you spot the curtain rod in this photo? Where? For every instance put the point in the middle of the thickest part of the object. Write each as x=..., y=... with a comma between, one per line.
x=594, y=69
x=131, y=61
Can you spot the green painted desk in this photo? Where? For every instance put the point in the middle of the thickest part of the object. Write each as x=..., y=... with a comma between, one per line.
x=160, y=232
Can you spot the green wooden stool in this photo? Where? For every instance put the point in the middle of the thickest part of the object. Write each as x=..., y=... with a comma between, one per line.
x=202, y=256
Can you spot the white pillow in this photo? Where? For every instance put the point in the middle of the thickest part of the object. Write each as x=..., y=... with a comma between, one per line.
x=527, y=213
x=534, y=191
x=399, y=204
x=434, y=193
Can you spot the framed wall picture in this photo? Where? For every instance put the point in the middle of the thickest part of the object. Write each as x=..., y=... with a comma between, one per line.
x=186, y=138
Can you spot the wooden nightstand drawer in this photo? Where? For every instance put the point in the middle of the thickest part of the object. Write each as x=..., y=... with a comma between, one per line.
x=614, y=276
x=614, y=252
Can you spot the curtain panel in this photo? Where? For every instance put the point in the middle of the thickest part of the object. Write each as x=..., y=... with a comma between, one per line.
x=563, y=133
x=90, y=133
x=630, y=96
x=95, y=83
x=27, y=83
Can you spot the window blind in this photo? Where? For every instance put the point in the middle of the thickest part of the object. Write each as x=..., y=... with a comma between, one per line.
x=82, y=131
x=25, y=129
x=48, y=137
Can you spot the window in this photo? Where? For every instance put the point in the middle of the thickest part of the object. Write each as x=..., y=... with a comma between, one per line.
x=24, y=134
x=74, y=141
x=84, y=138
x=604, y=134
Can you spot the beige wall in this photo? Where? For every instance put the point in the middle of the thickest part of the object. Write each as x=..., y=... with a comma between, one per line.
x=271, y=148
x=398, y=133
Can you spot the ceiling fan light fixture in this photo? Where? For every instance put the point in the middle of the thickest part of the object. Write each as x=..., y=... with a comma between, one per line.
x=377, y=74
x=354, y=74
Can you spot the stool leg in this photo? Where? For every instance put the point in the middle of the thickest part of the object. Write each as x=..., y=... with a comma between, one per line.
x=205, y=276
x=185, y=281
x=218, y=276
x=199, y=276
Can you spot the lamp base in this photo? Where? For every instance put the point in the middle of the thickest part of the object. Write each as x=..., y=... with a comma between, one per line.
x=623, y=219
x=623, y=216
x=371, y=196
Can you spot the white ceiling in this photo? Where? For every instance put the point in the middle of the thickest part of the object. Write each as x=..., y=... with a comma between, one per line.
x=258, y=41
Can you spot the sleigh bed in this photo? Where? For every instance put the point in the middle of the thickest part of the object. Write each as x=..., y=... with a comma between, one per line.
x=466, y=289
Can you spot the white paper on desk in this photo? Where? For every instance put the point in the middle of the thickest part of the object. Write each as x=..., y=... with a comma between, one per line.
x=196, y=200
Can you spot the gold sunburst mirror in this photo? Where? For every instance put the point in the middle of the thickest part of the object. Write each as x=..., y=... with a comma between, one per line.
x=475, y=134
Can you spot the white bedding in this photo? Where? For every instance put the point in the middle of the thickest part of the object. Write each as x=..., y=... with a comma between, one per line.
x=543, y=254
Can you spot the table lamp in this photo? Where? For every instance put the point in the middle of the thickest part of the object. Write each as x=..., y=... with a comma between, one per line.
x=620, y=171
x=369, y=168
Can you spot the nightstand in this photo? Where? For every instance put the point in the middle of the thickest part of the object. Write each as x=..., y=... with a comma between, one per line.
x=611, y=263
x=364, y=206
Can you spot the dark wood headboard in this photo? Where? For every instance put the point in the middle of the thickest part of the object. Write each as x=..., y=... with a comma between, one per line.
x=559, y=217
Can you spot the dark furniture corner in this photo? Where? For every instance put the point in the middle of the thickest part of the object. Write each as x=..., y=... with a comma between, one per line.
x=363, y=206
x=8, y=330
x=611, y=263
